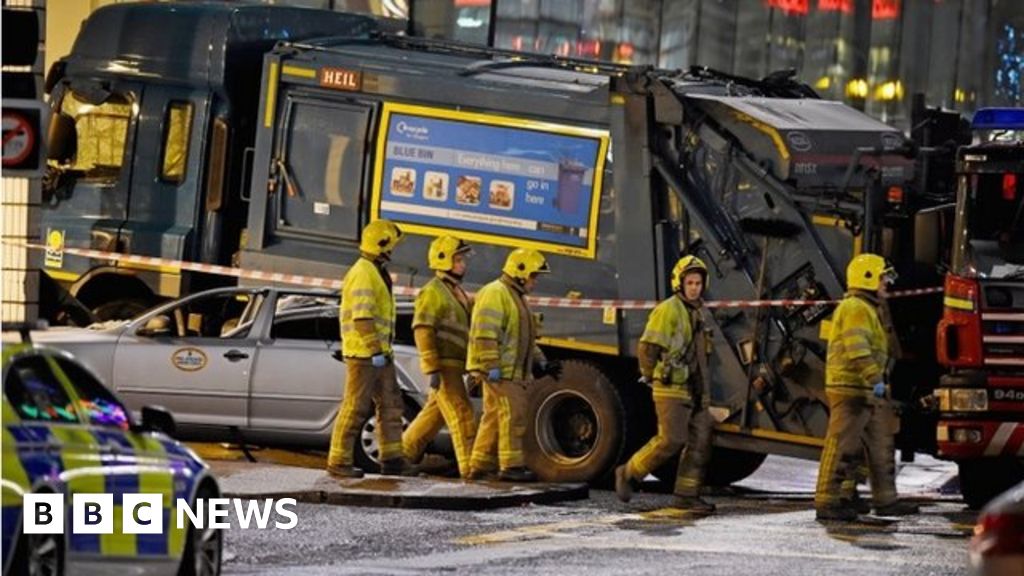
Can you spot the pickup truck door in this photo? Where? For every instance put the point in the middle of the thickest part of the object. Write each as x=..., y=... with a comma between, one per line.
x=193, y=358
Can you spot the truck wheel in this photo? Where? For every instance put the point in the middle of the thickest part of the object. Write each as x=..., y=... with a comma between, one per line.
x=729, y=466
x=983, y=479
x=367, y=454
x=577, y=432
x=122, y=309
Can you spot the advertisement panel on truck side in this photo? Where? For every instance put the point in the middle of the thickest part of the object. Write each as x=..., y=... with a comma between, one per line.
x=495, y=179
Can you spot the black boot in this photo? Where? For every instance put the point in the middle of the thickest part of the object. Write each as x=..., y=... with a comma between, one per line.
x=860, y=505
x=517, y=474
x=835, y=513
x=897, y=508
x=694, y=504
x=345, y=471
x=397, y=467
x=477, y=475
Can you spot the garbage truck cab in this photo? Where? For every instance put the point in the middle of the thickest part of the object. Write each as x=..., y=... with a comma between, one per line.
x=153, y=122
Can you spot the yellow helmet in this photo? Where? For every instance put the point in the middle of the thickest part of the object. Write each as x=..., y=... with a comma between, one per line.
x=867, y=272
x=525, y=262
x=443, y=250
x=684, y=266
x=379, y=237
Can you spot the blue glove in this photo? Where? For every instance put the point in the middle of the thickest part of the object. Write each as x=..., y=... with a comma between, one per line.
x=494, y=374
x=435, y=380
x=379, y=360
x=879, y=390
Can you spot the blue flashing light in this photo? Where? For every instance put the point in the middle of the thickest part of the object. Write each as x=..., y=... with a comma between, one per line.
x=998, y=119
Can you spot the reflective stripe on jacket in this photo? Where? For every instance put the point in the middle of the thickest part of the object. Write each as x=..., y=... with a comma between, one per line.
x=669, y=327
x=858, y=348
x=502, y=333
x=365, y=296
x=445, y=314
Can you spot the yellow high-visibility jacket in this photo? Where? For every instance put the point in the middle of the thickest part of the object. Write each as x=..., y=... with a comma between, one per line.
x=440, y=325
x=858, y=348
x=669, y=327
x=502, y=333
x=366, y=299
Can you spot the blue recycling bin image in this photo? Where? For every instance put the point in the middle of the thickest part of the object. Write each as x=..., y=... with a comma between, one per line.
x=570, y=185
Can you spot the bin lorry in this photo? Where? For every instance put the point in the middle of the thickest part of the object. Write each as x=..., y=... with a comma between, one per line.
x=266, y=137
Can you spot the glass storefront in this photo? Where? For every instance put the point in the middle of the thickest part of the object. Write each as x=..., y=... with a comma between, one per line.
x=873, y=54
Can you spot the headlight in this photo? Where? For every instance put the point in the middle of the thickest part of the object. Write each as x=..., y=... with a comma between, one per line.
x=969, y=399
x=962, y=399
x=967, y=436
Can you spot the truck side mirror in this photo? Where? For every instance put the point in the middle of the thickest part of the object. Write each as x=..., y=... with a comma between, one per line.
x=55, y=75
x=62, y=139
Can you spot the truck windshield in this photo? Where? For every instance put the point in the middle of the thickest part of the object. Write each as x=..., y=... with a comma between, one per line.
x=990, y=226
x=102, y=130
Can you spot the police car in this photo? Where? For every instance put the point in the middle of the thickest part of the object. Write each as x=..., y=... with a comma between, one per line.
x=64, y=433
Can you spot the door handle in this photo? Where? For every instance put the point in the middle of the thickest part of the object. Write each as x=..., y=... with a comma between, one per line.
x=235, y=355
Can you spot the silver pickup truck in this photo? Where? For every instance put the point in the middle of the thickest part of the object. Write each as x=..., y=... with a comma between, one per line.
x=261, y=365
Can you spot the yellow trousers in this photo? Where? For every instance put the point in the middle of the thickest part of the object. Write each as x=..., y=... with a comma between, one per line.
x=448, y=405
x=858, y=428
x=680, y=423
x=366, y=387
x=499, y=440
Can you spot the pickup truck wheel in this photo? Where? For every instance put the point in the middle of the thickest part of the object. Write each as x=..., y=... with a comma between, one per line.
x=983, y=479
x=577, y=432
x=367, y=454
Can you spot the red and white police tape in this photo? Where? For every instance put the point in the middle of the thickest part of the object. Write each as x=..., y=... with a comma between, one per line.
x=316, y=282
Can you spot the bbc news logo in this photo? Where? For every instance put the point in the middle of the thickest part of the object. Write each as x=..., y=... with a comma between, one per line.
x=143, y=513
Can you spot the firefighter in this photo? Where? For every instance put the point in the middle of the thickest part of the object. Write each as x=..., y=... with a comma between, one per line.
x=441, y=329
x=673, y=352
x=503, y=353
x=367, y=316
x=862, y=424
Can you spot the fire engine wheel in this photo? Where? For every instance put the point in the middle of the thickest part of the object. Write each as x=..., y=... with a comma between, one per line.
x=983, y=479
x=121, y=309
x=577, y=432
x=727, y=466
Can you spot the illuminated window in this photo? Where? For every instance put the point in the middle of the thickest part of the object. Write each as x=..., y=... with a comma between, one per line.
x=102, y=130
x=177, y=127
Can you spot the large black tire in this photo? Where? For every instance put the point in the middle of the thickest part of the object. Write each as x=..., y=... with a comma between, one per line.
x=983, y=479
x=203, y=547
x=726, y=467
x=122, y=309
x=729, y=466
x=577, y=432
x=367, y=455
